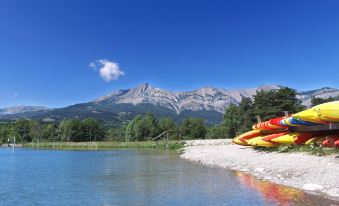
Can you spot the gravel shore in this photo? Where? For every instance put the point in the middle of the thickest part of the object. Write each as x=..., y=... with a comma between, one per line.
x=304, y=171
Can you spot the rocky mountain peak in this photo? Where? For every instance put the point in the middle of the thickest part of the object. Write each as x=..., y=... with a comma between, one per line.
x=205, y=98
x=269, y=87
x=142, y=88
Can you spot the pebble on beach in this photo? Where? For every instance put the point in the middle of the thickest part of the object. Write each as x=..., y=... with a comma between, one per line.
x=299, y=170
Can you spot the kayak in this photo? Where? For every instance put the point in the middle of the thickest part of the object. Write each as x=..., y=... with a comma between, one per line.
x=330, y=140
x=336, y=144
x=254, y=140
x=249, y=135
x=316, y=140
x=327, y=112
x=242, y=139
x=285, y=139
x=266, y=126
x=276, y=121
x=269, y=138
x=293, y=138
x=262, y=143
x=292, y=121
x=301, y=139
x=266, y=140
x=239, y=142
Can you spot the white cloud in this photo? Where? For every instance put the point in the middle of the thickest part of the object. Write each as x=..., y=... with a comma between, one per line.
x=108, y=70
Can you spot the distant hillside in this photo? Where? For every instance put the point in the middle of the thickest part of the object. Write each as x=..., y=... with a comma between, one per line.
x=324, y=93
x=22, y=109
x=122, y=105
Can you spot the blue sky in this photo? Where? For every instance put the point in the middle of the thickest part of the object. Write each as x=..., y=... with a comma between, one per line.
x=47, y=47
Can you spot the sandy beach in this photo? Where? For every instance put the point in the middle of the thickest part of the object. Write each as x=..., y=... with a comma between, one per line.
x=318, y=174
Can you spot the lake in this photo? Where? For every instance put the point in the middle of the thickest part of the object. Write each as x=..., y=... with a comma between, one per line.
x=131, y=177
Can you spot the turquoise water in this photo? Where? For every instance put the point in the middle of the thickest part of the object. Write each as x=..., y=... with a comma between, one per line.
x=130, y=177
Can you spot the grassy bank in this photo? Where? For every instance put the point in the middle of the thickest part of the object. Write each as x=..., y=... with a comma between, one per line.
x=174, y=145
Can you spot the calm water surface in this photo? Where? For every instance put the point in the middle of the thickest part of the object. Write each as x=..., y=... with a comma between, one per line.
x=131, y=177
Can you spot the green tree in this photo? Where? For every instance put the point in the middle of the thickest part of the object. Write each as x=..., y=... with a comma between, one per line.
x=270, y=104
x=166, y=124
x=49, y=132
x=193, y=128
x=34, y=130
x=92, y=130
x=71, y=130
x=246, y=115
x=6, y=132
x=316, y=100
x=216, y=132
x=22, y=129
x=146, y=128
x=130, y=129
x=117, y=134
x=231, y=121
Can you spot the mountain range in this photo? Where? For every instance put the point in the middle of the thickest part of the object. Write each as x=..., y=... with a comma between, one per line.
x=122, y=105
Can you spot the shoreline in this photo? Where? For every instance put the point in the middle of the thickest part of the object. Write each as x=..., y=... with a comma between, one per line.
x=316, y=174
x=102, y=145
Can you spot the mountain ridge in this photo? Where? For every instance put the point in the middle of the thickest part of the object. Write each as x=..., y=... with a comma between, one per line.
x=122, y=105
x=208, y=98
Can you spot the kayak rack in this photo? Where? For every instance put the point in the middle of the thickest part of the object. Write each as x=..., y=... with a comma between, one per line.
x=330, y=128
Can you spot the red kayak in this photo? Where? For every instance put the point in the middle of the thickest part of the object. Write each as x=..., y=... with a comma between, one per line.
x=276, y=121
x=301, y=139
x=265, y=126
x=336, y=144
x=330, y=141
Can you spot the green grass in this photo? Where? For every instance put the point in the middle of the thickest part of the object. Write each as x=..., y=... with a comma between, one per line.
x=311, y=149
x=173, y=145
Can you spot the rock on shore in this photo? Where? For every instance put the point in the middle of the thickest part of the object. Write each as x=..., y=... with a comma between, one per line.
x=299, y=170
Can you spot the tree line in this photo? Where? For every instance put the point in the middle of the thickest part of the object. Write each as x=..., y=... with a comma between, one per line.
x=75, y=130
x=141, y=128
x=238, y=118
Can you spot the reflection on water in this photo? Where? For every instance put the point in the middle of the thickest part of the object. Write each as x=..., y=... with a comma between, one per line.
x=271, y=193
x=130, y=177
x=280, y=195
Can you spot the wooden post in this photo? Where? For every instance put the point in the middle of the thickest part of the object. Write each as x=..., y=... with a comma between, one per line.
x=14, y=144
x=167, y=140
x=286, y=113
x=258, y=118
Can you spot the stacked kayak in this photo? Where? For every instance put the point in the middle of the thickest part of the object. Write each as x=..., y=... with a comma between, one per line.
x=243, y=138
x=278, y=131
x=327, y=112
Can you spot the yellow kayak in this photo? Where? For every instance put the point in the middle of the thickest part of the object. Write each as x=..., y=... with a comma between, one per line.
x=285, y=139
x=249, y=135
x=310, y=141
x=242, y=139
x=263, y=143
x=239, y=142
x=327, y=112
x=254, y=140
x=318, y=140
